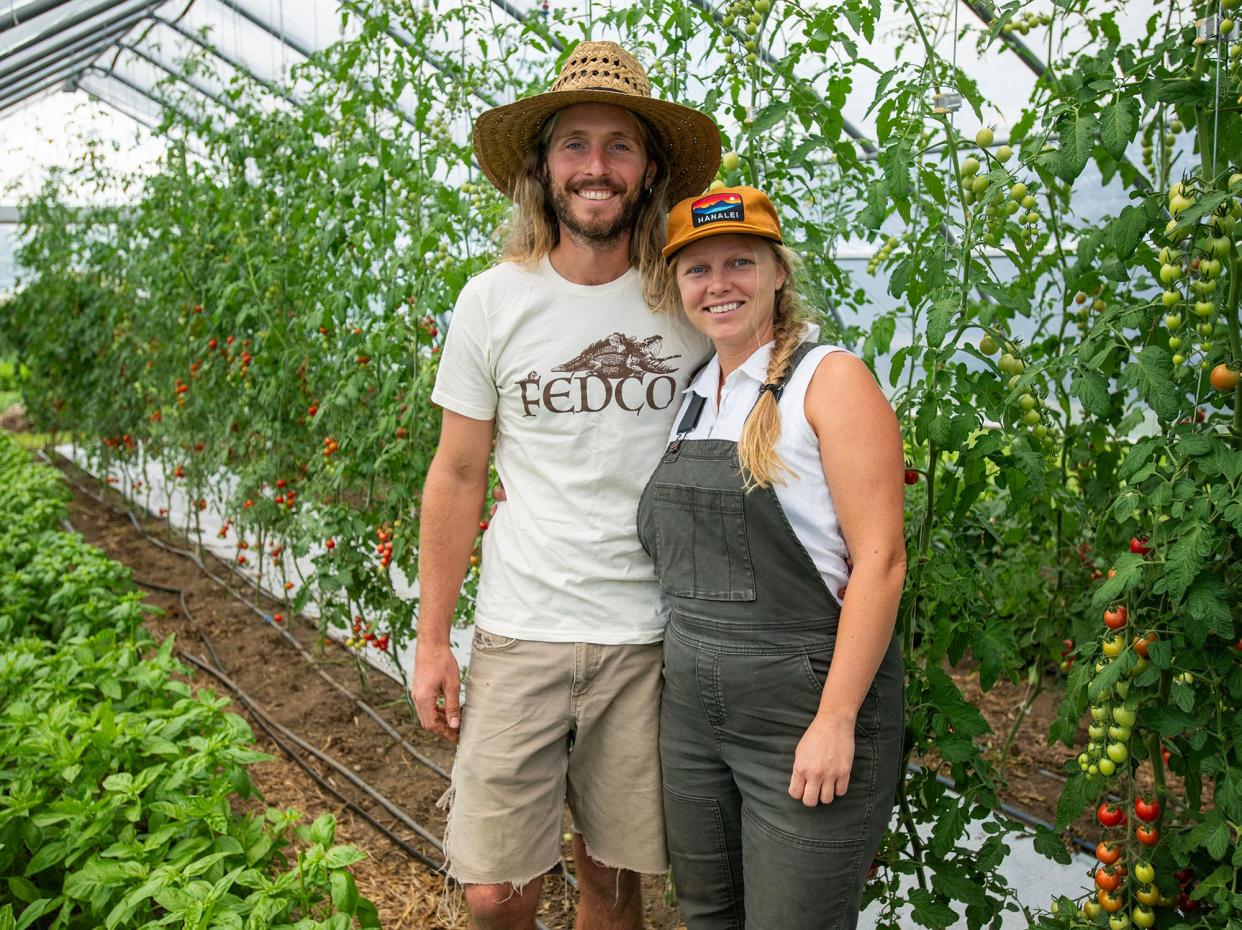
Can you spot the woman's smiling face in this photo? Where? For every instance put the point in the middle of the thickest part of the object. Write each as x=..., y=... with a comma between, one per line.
x=728, y=286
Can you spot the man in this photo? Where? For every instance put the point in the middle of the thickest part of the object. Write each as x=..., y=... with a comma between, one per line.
x=556, y=352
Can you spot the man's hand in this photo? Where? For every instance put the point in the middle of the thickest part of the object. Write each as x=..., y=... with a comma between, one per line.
x=437, y=691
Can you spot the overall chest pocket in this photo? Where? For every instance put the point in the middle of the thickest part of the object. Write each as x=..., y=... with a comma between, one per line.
x=702, y=550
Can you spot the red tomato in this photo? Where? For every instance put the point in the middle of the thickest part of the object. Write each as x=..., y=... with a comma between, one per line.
x=1107, y=878
x=1138, y=545
x=1147, y=834
x=1147, y=809
x=1110, y=815
x=1140, y=645
x=1107, y=852
x=1115, y=617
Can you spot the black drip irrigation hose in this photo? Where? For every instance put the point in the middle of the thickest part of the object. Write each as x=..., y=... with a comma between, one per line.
x=1010, y=810
x=269, y=724
x=266, y=617
x=273, y=730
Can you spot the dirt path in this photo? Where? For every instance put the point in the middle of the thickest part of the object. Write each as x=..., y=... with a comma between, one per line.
x=282, y=683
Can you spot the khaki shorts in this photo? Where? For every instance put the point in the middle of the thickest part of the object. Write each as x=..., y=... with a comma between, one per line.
x=515, y=770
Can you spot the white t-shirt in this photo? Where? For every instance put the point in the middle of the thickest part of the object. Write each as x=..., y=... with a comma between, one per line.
x=583, y=383
x=804, y=497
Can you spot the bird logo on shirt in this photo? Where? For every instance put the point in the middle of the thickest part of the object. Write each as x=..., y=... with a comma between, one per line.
x=621, y=356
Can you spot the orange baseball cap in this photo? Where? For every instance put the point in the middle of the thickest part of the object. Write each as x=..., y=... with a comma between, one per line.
x=742, y=210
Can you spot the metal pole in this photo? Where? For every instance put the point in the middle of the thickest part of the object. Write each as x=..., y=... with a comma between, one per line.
x=229, y=60
x=76, y=64
x=37, y=62
x=60, y=26
x=26, y=13
x=156, y=63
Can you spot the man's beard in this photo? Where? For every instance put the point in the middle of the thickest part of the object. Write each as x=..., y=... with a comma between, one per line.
x=602, y=230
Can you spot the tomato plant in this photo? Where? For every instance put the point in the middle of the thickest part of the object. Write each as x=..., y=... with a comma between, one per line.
x=263, y=323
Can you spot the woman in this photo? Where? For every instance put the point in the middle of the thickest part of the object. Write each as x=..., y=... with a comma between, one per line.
x=782, y=717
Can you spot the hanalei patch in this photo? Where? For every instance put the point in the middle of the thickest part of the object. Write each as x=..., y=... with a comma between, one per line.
x=717, y=208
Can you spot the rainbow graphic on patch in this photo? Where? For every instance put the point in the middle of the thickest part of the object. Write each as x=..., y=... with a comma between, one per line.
x=717, y=208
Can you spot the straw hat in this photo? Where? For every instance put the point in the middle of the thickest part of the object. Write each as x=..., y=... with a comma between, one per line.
x=600, y=72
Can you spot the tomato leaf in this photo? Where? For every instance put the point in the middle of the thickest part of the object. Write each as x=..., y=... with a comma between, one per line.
x=950, y=826
x=1208, y=604
x=1151, y=377
x=1129, y=568
x=1051, y=844
x=1079, y=791
x=1077, y=136
x=1108, y=676
x=931, y=910
x=940, y=319
x=1186, y=558
x=1119, y=121
x=1091, y=387
x=958, y=884
x=1127, y=230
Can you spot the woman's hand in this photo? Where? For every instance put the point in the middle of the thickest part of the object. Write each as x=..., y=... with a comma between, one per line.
x=823, y=761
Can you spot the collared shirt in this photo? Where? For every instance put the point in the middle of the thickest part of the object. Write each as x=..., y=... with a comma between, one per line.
x=804, y=497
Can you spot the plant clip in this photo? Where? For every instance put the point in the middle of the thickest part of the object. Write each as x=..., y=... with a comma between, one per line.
x=1208, y=30
x=949, y=101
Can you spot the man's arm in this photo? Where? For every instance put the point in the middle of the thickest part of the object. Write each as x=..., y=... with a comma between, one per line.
x=452, y=503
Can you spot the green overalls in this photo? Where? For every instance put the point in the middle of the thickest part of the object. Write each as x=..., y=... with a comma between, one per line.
x=746, y=654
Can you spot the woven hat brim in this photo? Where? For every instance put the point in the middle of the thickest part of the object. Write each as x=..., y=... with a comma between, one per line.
x=690, y=139
x=718, y=229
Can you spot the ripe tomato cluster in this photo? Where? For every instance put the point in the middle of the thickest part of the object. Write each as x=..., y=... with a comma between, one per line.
x=384, y=546
x=365, y=635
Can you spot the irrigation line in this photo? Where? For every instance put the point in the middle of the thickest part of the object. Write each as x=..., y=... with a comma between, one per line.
x=289, y=637
x=1015, y=812
x=272, y=728
x=344, y=771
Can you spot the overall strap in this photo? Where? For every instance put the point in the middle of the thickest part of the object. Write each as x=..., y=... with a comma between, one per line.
x=778, y=387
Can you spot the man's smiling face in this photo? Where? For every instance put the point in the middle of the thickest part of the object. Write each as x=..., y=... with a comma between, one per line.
x=597, y=168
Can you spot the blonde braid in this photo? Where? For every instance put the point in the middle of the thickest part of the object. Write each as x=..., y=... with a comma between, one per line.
x=761, y=465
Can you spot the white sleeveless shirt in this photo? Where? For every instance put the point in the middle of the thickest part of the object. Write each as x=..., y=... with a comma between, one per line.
x=804, y=497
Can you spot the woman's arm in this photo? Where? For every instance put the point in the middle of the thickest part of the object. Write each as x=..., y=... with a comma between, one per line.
x=860, y=448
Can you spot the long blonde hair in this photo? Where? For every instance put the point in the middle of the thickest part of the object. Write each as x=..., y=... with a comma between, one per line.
x=533, y=229
x=761, y=465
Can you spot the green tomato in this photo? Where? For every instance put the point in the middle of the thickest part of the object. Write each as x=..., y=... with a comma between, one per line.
x=1173, y=320
x=983, y=138
x=1144, y=872
x=730, y=161
x=1119, y=734
x=1017, y=192
x=1027, y=402
x=1117, y=752
x=1170, y=273
x=1031, y=417
x=1106, y=767
x=1097, y=731
x=1099, y=712
x=1124, y=716
x=969, y=167
x=1175, y=343
x=1123, y=689
x=1004, y=153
